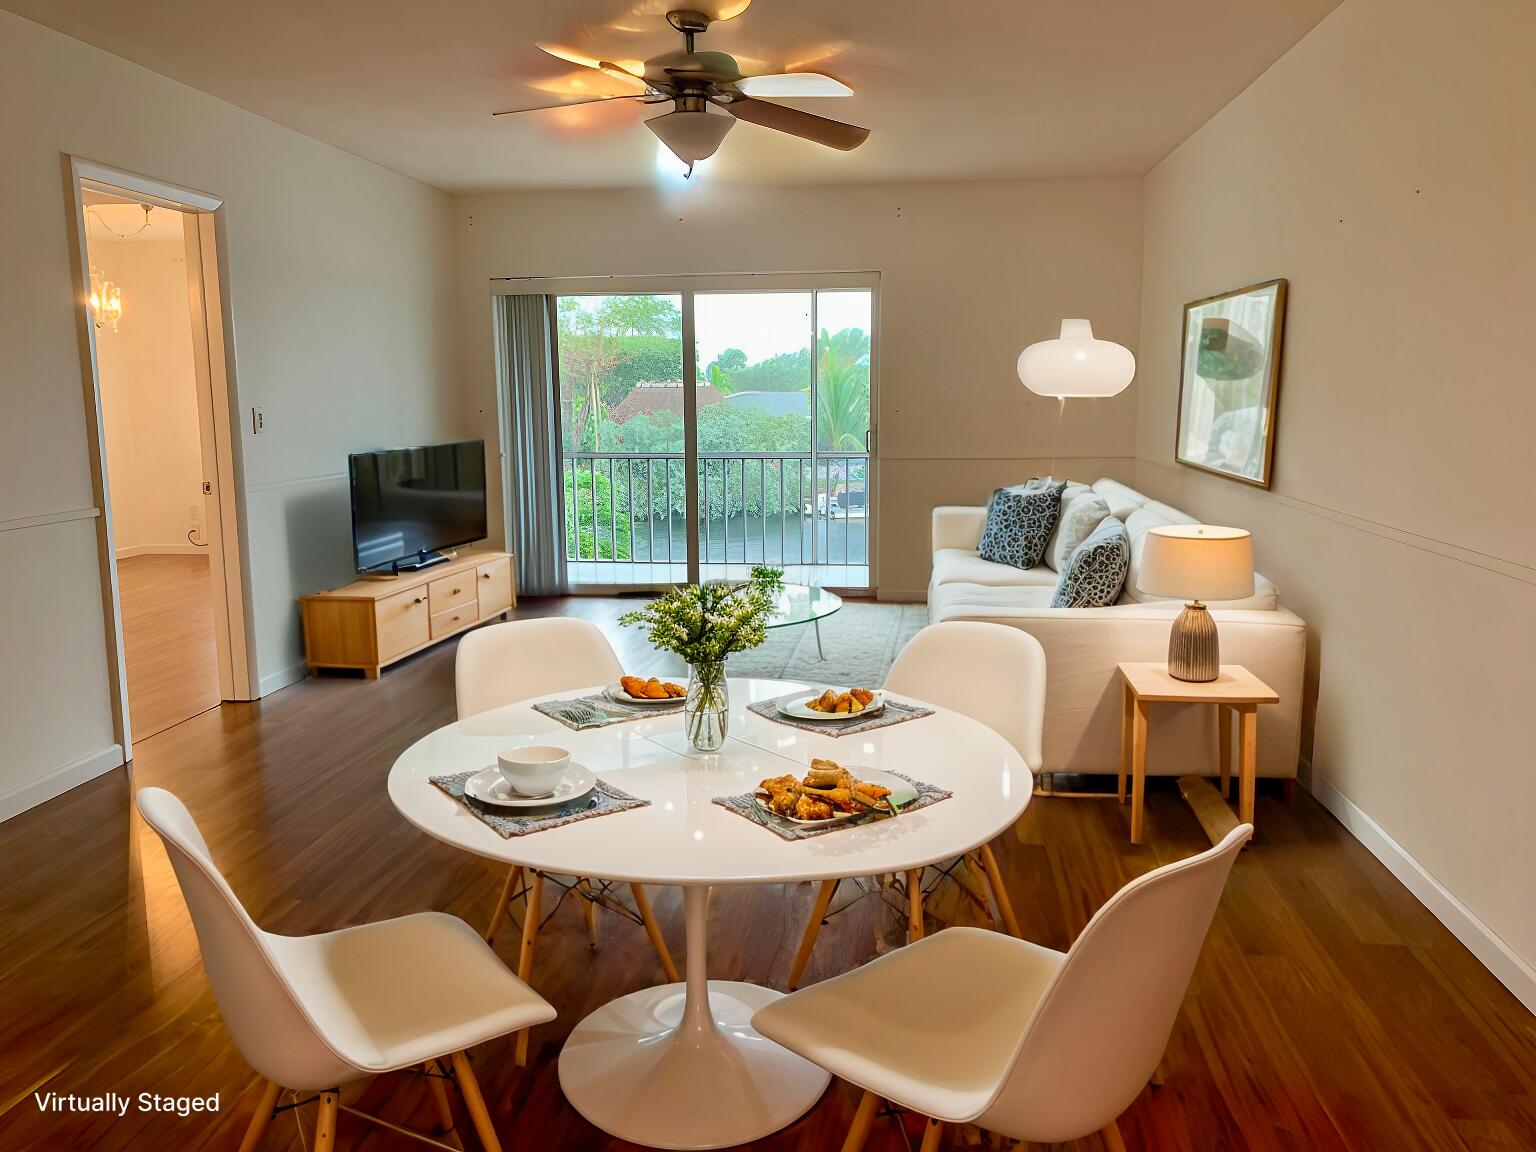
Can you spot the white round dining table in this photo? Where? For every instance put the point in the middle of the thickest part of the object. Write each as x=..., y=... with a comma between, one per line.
x=679, y=1065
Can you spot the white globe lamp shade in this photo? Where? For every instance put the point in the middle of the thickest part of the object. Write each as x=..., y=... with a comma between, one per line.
x=691, y=135
x=1076, y=364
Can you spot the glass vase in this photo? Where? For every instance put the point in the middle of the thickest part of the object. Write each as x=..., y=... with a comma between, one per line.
x=706, y=714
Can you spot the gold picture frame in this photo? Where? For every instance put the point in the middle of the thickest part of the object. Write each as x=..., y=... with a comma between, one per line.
x=1229, y=382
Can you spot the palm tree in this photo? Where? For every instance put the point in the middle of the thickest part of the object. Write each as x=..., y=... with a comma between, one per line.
x=842, y=390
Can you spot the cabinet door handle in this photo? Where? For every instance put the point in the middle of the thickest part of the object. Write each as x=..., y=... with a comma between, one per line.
x=421, y=600
x=456, y=591
x=485, y=575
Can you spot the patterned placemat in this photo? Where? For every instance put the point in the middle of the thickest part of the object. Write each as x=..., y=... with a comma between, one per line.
x=892, y=713
x=603, y=800
x=598, y=711
x=746, y=806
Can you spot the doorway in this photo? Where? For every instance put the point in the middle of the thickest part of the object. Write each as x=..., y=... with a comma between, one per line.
x=723, y=424
x=163, y=449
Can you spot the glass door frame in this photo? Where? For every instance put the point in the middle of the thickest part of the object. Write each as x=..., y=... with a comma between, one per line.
x=686, y=286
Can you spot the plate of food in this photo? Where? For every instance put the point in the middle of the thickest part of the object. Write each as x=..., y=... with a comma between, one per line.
x=828, y=793
x=636, y=690
x=833, y=704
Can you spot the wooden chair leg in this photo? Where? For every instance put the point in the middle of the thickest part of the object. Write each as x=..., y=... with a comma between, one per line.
x=914, y=904
x=469, y=1088
x=588, y=909
x=532, y=910
x=932, y=1134
x=325, y=1122
x=439, y=1096
x=653, y=930
x=812, y=928
x=1111, y=1134
x=863, y=1120
x=263, y=1116
x=508, y=890
x=999, y=892
x=972, y=880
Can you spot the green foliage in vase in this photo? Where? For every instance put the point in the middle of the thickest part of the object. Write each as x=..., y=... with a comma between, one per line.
x=705, y=623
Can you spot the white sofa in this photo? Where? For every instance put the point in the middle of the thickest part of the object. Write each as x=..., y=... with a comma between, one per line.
x=1083, y=645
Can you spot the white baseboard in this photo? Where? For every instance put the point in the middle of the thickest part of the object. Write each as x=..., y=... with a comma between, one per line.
x=1498, y=957
x=60, y=780
x=277, y=680
x=160, y=550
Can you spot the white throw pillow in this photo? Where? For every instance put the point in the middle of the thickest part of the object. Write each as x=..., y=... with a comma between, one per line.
x=1079, y=517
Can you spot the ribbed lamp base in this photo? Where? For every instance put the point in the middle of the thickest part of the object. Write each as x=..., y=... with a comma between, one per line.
x=1194, y=653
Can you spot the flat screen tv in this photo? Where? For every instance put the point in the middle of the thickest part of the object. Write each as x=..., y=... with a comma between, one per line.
x=410, y=503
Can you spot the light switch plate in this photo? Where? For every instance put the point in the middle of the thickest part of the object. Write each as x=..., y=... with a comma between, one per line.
x=258, y=422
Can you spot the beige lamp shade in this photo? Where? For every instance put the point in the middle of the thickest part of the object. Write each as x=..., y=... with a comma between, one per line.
x=1197, y=562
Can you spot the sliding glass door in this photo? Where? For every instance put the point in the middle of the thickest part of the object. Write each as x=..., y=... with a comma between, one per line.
x=708, y=430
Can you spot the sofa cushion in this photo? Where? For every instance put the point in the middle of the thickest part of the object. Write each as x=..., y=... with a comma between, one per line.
x=1122, y=500
x=980, y=602
x=964, y=566
x=1095, y=572
x=1019, y=523
x=1079, y=517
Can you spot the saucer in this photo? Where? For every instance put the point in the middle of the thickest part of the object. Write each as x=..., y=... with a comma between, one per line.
x=489, y=787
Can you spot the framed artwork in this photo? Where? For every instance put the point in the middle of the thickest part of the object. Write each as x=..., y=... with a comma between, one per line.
x=1229, y=380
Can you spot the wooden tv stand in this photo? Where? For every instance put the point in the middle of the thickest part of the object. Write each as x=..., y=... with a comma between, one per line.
x=370, y=624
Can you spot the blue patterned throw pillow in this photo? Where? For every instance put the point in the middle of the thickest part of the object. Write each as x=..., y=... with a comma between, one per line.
x=1019, y=523
x=1095, y=573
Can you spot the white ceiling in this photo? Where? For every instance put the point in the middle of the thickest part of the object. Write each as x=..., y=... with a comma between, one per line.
x=987, y=90
x=113, y=218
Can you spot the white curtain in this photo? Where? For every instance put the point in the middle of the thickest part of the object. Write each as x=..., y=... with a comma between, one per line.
x=525, y=327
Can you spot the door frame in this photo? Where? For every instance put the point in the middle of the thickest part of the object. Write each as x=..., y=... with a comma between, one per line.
x=685, y=285
x=213, y=350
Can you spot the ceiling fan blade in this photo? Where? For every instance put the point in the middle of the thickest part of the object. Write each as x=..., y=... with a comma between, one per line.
x=782, y=118
x=793, y=84
x=622, y=70
x=576, y=103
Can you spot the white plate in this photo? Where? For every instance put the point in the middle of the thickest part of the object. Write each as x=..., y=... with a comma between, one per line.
x=901, y=792
x=616, y=693
x=488, y=787
x=795, y=707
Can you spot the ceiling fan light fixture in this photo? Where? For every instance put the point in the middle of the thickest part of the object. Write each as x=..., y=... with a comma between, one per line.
x=690, y=134
x=1076, y=364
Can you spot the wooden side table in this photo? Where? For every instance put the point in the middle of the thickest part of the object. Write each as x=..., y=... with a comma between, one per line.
x=1236, y=691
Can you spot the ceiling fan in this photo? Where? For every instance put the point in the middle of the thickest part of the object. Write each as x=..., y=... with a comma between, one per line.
x=693, y=80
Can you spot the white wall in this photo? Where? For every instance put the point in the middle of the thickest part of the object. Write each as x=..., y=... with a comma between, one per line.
x=149, y=396
x=1387, y=167
x=970, y=273
x=343, y=297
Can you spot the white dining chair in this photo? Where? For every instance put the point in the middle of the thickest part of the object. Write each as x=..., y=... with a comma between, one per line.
x=502, y=664
x=995, y=675
x=974, y=1027
x=310, y=1013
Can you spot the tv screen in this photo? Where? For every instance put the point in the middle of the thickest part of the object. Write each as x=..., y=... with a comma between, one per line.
x=411, y=501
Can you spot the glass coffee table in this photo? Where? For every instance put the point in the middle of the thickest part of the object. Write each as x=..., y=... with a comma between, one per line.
x=803, y=604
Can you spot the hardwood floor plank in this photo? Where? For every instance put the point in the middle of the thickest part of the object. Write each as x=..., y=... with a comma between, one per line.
x=1329, y=1011
x=167, y=617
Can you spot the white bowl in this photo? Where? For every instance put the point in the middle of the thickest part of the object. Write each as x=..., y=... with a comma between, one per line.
x=533, y=771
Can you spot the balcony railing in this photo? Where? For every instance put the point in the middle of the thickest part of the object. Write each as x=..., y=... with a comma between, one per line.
x=777, y=508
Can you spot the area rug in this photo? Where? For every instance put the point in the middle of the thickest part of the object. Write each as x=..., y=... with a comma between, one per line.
x=860, y=642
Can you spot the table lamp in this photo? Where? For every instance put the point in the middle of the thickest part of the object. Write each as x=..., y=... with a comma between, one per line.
x=1196, y=562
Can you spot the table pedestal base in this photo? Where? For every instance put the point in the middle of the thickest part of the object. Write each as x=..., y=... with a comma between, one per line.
x=632, y=1070
x=680, y=1066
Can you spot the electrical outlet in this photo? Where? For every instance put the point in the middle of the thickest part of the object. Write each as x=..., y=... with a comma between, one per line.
x=258, y=422
x=195, y=516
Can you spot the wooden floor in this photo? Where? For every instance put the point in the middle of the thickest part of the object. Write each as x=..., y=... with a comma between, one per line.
x=1330, y=1011
x=167, y=611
